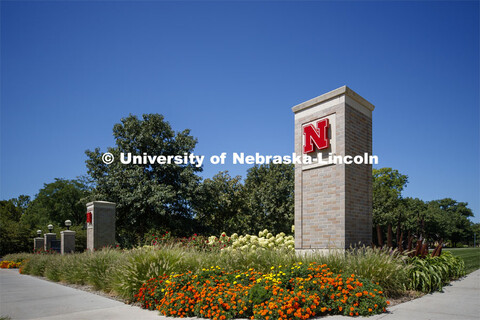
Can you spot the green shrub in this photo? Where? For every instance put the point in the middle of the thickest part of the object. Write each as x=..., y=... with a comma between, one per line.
x=432, y=273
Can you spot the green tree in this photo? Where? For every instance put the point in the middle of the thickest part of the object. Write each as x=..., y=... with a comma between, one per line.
x=475, y=234
x=388, y=185
x=438, y=220
x=15, y=236
x=436, y=225
x=22, y=202
x=414, y=213
x=219, y=204
x=148, y=196
x=452, y=220
x=269, y=195
x=56, y=202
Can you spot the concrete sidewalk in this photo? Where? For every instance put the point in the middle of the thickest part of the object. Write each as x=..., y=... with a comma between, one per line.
x=26, y=297
x=459, y=300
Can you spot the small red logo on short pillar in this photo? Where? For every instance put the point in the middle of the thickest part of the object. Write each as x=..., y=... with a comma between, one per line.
x=316, y=135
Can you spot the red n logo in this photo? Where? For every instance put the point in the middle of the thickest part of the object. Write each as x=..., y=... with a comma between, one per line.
x=89, y=217
x=316, y=135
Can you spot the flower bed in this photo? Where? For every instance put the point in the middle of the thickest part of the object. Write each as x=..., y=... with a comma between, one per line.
x=10, y=264
x=298, y=291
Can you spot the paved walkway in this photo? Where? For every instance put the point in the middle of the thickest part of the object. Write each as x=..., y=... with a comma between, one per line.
x=26, y=297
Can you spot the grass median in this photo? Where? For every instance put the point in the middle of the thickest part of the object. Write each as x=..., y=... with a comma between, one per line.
x=471, y=257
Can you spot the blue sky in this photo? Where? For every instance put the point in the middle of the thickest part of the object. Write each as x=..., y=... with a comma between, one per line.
x=230, y=72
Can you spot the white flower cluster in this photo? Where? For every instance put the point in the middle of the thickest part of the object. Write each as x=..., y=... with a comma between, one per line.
x=265, y=240
x=223, y=239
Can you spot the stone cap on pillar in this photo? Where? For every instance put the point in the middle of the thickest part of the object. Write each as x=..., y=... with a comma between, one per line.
x=68, y=232
x=346, y=91
x=104, y=204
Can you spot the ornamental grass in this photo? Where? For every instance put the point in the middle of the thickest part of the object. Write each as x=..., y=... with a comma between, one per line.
x=122, y=272
x=297, y=291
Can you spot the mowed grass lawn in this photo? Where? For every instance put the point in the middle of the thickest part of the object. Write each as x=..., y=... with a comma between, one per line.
x=471, y=256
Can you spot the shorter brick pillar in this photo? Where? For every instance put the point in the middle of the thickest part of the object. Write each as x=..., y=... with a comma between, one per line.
x=38, y=243
x=48, y=240
x=67, y=244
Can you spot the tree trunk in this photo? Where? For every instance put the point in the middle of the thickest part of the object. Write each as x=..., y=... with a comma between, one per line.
x=389, y=236
x=410, y=240
x=379, y=236
x=399, y=227
x=400, y=242
x=422, y=231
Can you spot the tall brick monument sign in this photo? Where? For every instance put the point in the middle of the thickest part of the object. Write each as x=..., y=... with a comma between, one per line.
x=333, y=202
x=100, y=224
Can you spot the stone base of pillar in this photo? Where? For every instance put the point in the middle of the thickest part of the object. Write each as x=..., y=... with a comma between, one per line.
x=48, y=237
x=318, y=252
x=67, y=238
x=38, y=244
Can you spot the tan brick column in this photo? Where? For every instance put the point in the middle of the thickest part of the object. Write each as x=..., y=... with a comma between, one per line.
x=333, y=202
x=101, y=227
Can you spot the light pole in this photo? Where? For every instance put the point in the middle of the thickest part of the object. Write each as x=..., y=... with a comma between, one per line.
x=68, y=223
x=39, y=233
x=50, y=228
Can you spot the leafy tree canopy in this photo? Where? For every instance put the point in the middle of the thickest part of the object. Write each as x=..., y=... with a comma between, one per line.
x=148, y=196
x=220, y=205
x=388, y=185
x=270, y=193
x=15, y=236
x=56, y=202
x=265, y=201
